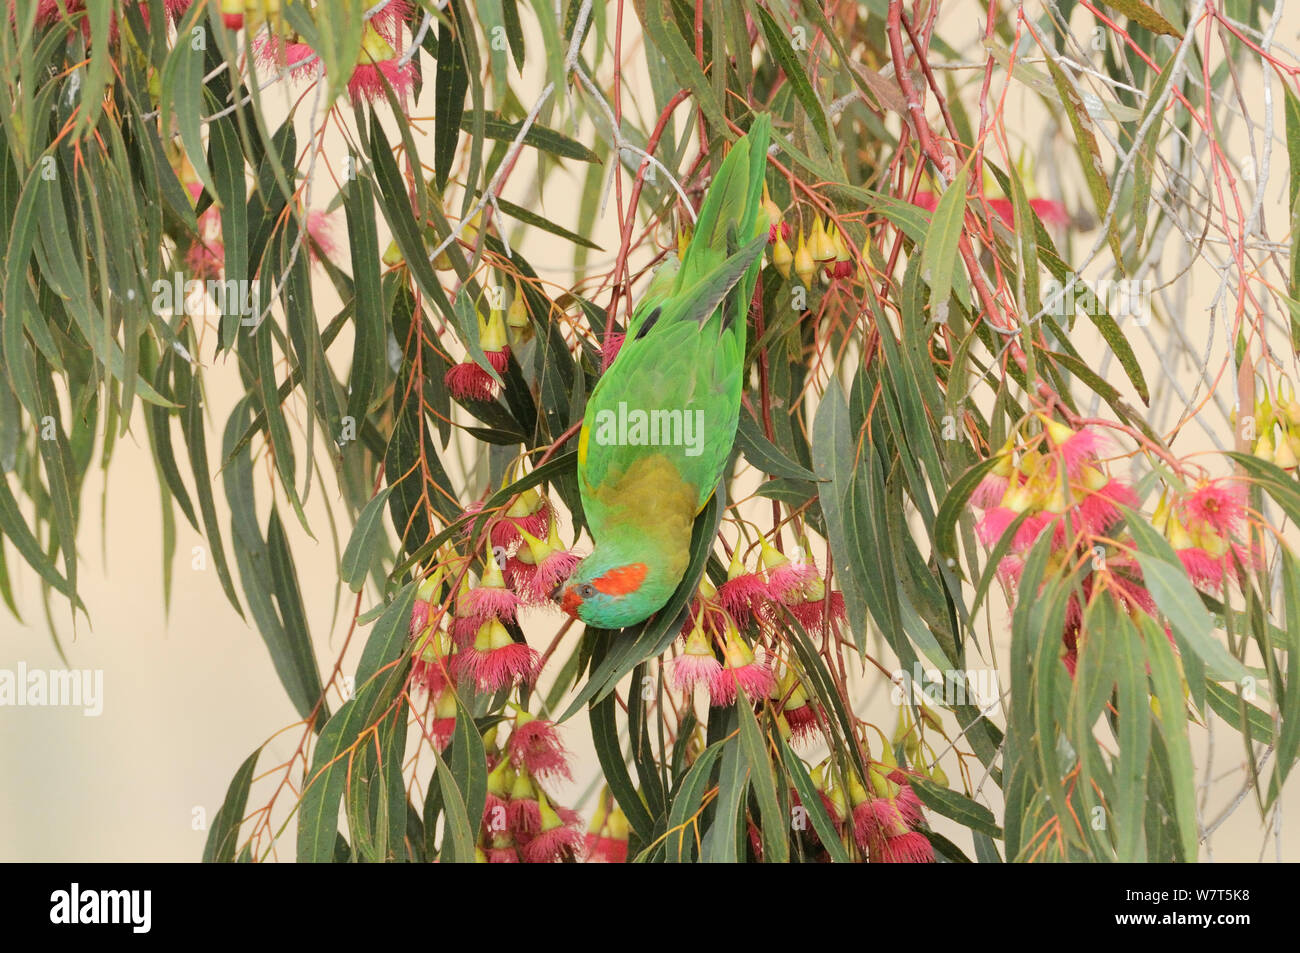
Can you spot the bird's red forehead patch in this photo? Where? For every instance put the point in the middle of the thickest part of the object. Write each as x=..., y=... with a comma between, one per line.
x=570, y=601
x=621, y=580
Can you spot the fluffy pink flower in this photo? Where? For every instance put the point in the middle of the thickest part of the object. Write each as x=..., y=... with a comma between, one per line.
x=429, y=671
x=554, y=569
x=813, y=614
x=525, y=816
x=535, y=744
x=439, y=726
x=602, y=849
x=488, y=602
x=49, y=12
x=610, y=348
x=1003, y=209
x=741, y=672
x=744, y=597
x=468, y=381
x=540, y=566
x=1204, y=570
x=495, y=660
x=520, y=519
x=755, y=678
x=990, y=490
x=910, y=848
x=874, y=819
x=882, y=829
x=1216, y=504
x=206, y=259
x=802, y=720
x=463, y=630
x=787, y=581
x=1074, y=447
x=995, y=522
x=1099, y=510
x=558, y=837
x=909, y=805
x=553, y=846
x=1126, y=584
x=1051, y=212
x=274, y=53
x=1009, y=570
x=389, y=20
x=505, y=666
x=320, y=241
x=705, y=611
x=697, y=665
x=370, y=80
x=490, y=599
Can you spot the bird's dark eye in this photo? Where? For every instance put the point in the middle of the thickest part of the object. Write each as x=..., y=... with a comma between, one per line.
x=586, y=590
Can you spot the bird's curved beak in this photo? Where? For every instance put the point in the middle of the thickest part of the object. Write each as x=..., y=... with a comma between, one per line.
x=569, y=600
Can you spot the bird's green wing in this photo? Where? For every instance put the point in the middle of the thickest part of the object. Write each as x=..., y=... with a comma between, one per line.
x=683, y=363
x=685, y=353
x=656, y=292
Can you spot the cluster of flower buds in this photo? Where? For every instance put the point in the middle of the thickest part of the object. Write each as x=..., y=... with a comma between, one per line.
x=1202, y=526
x=525, y=541
x=719, y=657
x=379, y=64
x=521, y=822
x=910, y=734
x=1277, y=429
x=607, y=833
x=778, y=583
x=887, y=816
x=740, y=670
x=882, y=817
x=53, y=12
x=476, y=650
x=468, y=239
x=1057, y=484
x=824, y=245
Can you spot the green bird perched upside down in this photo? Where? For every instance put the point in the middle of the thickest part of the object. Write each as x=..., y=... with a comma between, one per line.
x=661, y=421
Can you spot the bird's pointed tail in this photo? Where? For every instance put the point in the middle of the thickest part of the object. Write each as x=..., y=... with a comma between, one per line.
x=732, y=213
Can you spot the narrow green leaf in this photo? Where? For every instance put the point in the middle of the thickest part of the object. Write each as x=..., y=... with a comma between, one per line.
x=223, y=835
x=957, y=807
x=775, y=825
x=367, y=536
x=1173, y=592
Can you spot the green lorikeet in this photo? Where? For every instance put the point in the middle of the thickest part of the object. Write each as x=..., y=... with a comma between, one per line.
x=661, y=421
